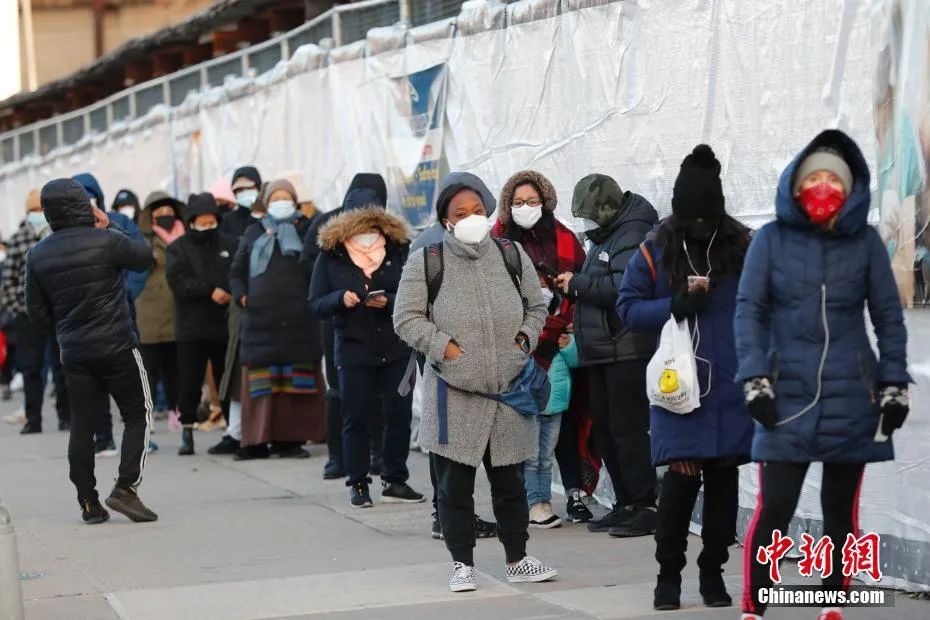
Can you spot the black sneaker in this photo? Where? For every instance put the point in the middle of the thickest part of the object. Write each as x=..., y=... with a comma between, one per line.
x=30, y=429
x=227, y=445
x=641, y=521
x=293, y=452
x=437, y=527
x=613, y=518
x=359, y=496
x=714, y=590
x=667, y=593
x=575, y=510
x=105, y=449
x=64, y=425
x=127, y=503
x=484, y=529
x=333, y=470
x=187, y=442
x=400, y=493
x=93, y=513
x=252, y=453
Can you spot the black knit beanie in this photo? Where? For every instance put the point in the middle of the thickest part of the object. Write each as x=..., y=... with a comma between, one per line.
x=698, y=192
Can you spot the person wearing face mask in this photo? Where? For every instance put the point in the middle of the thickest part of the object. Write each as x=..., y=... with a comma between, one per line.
x=615, y=355
x=526, y=215
x=354, y=283
x=32, y=342
x=198, y=274
x=365, y=187
x=246, y=187
x=812, y=382
x=476, y=334
x=127, y=204
x=689, y=269
x=161, y=224
x=282, y=387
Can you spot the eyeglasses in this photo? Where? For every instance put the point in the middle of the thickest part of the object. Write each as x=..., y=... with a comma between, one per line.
x=532, y=202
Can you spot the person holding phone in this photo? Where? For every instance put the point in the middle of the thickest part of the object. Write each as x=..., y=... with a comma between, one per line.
x=354, y=283
x=812, y=381
x=689, y=269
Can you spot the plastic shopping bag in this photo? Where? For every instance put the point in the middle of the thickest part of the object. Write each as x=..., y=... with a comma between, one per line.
x=671, y=376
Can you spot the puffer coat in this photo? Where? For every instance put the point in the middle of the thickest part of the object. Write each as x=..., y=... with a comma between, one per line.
x=800, y=320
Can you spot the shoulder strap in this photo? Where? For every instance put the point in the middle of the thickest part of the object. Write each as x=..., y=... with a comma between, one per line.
x=434, y=266
x=512, y=260
x=652, y=266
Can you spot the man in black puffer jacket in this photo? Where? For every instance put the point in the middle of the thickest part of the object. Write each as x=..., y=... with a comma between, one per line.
x=74, y=285
x=616, y=357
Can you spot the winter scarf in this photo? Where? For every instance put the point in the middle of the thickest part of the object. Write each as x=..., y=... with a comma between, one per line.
x=262, y=250
x=167, y=236
x=367, y=259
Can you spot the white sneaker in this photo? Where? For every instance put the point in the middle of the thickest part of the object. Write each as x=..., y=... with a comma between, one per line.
x=542, y=517
x=530, y=570
x=463, y=578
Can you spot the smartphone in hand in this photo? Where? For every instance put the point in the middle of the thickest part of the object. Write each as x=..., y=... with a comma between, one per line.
x=373, y=294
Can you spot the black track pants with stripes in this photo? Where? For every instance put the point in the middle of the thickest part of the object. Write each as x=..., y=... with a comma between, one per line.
x=123, y=377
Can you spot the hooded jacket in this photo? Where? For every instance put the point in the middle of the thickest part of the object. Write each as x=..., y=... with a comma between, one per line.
x=74, y=279
x=277, y=326
x=551, y=246
x=155, y=305
x=135, y=281
x=800, y=321
x=366, y=188
x=197, y=264
x=364, y=336
x=479, y=309
x=601, y=335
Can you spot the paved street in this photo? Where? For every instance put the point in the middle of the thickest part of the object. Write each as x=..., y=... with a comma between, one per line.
x=273, y=540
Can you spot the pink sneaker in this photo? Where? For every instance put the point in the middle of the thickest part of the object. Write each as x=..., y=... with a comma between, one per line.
x=174, y=420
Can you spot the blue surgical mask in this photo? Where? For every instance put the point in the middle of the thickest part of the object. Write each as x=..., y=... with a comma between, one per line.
x=282, y=209
x=37, y=219
x=247, y=197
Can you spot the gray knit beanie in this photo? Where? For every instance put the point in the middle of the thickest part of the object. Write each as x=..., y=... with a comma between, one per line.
x=824, y=158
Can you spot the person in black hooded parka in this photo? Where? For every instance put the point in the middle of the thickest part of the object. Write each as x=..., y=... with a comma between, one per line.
x=198, y=274
x=74, y=285
x=246, y=185
x=365, y=188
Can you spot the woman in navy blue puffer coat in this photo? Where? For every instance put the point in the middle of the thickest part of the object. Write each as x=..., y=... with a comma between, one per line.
x=812, y=380
x=699, y=239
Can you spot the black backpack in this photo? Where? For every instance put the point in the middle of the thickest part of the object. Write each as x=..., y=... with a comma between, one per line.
x=435, y=267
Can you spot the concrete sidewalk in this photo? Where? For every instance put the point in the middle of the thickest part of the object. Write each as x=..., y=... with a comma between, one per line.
x=271, y=539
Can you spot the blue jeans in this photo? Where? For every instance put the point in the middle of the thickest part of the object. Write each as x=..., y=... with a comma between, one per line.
x=537, y=472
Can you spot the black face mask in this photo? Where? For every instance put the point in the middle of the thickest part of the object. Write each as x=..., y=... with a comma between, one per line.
x=165, y=221
x=700, y=231
x=202, y=236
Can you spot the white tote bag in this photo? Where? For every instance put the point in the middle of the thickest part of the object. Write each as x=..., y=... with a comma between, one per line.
x=671, y=376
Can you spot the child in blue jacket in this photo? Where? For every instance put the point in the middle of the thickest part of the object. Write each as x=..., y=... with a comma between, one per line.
x=537, y=472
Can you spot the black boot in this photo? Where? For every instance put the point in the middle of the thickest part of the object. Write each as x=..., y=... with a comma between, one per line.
x=721, y=506
x=187, y=441
x=676, y=502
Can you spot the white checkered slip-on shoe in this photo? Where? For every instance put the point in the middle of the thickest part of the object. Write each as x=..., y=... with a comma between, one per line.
x=463, y=578
x=530, y=570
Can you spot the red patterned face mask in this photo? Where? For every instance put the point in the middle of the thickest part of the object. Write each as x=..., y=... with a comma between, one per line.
x=821, y=202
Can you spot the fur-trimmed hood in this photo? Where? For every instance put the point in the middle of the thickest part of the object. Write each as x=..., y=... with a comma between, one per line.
x=546, y=192
x=341, y=228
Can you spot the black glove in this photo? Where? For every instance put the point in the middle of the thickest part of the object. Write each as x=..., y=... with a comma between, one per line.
x=686, y=305
x=760, y=400
x=895, y=405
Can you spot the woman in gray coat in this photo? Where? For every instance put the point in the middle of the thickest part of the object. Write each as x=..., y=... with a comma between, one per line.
x=476, y=335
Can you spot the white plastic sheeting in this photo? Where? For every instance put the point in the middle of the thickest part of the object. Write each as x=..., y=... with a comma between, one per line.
x=624, y=88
